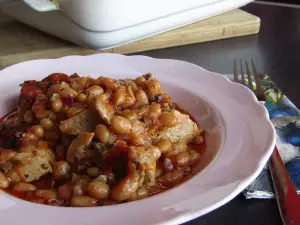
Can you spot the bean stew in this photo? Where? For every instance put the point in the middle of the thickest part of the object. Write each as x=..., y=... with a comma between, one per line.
x=81, y=142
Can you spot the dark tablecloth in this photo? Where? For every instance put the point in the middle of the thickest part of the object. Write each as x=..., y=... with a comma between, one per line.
x=276, y=51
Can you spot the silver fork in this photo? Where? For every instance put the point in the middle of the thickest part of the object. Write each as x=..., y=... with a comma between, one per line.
x=286, y=195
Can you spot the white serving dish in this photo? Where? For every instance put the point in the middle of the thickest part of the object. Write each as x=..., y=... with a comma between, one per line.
x=109, y=15
x=237, y=126
x=88, y=24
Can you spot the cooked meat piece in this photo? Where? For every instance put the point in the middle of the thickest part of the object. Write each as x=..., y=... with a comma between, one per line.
x=138, y=127
x=23, y=157
x=147, y=159
x=137, y=154
x=104, y=107
x=84, y=121
x=82, y=140
x=142, y=156
x=182, y=132
x=33, y=165
x=150, y=170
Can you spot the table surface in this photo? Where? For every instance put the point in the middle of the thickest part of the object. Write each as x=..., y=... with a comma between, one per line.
x=276, y=52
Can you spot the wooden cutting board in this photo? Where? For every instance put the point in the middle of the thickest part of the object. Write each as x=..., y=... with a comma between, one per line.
x=19, y=42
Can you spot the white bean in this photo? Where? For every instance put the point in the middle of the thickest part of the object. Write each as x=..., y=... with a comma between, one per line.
x=82, y=201
x=22, y=187
x=4, y=182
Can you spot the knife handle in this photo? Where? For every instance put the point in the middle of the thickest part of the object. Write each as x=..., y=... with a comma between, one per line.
x=285, y=192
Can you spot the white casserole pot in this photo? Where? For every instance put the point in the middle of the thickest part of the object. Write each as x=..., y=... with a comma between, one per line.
x=105, y=24
x=109, y=15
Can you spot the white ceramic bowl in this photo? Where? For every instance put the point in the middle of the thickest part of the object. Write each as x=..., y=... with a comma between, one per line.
x=239, y=134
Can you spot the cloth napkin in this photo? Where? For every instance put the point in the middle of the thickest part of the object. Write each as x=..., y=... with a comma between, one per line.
x=285, y=117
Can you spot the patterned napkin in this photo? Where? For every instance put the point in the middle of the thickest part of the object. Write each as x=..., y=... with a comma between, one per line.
x=286, y=120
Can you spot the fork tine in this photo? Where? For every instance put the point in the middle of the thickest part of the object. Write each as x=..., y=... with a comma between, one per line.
x=235, y=73
x=242, y=73
x=259, y=89
x=249, y=77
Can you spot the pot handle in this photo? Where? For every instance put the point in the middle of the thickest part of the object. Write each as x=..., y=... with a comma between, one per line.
x=41, y=5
